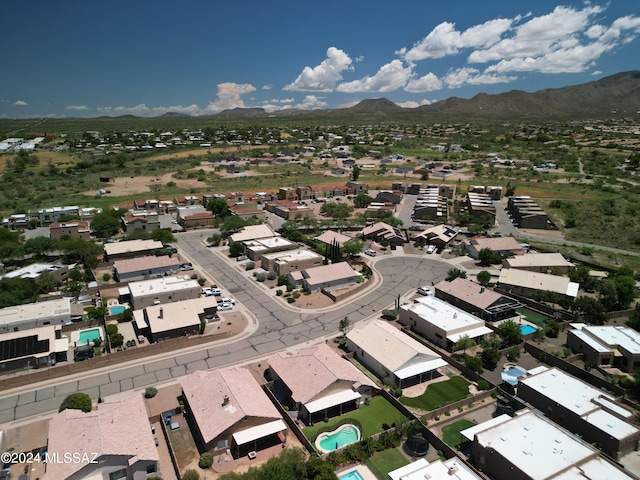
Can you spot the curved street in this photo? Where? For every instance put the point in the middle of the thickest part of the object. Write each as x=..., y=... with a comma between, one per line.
x=277, y=328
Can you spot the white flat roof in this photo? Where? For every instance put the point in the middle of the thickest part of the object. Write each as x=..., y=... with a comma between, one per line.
x=535, y=445
x=610, y=424
x=625, y=337
x=590, y=341
x=451, y=469
x=470, y=432
x=162, y=285
x=443, y=315
x=259, y=431
x=292, y=255
x=329, y=401
x=31, y=311
x=595, y=469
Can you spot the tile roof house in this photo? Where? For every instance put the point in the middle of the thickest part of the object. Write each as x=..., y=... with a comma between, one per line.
x=230, y=411
x=438, y=235
x=538, y=262
x=318, y=383
x=389, y=352
x=476, y=299
x=329, y=236
x=115, y=438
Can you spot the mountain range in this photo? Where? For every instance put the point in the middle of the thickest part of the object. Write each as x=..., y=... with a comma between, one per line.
x=619, y=93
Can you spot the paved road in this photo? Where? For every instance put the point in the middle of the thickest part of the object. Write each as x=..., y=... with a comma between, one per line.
x=278, y=328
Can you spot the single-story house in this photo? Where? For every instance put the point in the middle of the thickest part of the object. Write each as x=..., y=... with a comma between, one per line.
x=115, y=438
x=440, y=322
x=324, y=277
x=476, y=299
x=498, y=245
x=131, y=248
x=230, y=413
x=177, y=319
x=143, y=268
x=523, y=282
x=539, y=262
x=253, y=232
x=34, y=315
x=392, y=354
x=317, y=383
x=329, y=237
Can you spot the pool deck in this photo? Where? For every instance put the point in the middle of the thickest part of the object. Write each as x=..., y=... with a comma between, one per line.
x=362, y=469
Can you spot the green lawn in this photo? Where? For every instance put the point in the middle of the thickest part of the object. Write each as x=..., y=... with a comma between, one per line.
x=451, y=433
x=384, y=462
x=371, y=417
x=436, y=394
x=534, y=317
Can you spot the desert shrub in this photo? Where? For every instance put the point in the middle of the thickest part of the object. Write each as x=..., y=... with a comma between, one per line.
x=278, y=293
x=261, y=277
x=291, y=300
x=483, y=385
x=150, y=392
x=206, y=460
x=272, y=275
x=250, y=266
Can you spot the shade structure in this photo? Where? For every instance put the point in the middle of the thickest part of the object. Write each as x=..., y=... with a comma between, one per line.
x=331, y=400
x=260, y=431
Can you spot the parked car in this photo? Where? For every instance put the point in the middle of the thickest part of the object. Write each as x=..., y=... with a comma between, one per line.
x=224, y=306
x=425, y=291
x=371, y=253
x=186, y=266
x=230, y=301
x=431, y=248
x=241, y=258
x=171, y=249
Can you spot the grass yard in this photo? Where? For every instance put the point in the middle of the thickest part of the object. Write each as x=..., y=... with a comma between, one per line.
x=371, y=417
x=437, y=394
x=384, y=462
x=534, y=317
x=451, y=433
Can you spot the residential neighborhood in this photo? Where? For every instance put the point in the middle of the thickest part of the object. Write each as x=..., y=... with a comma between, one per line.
x=423, y=327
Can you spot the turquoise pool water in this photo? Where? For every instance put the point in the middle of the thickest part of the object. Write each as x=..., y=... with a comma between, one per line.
x=87, y=336
x=346, y=435
x=527, y=329
x=353, y=475
x=116, y=309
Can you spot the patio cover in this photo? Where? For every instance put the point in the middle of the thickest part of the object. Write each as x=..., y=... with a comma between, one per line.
x=331, y=400
x=418, y=368
x=260, y=431
x=473, y=333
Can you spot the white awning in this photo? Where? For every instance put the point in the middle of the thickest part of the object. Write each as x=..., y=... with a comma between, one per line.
x=260, y=431
x=418, y=368
x=476, y=332
x=331, y=400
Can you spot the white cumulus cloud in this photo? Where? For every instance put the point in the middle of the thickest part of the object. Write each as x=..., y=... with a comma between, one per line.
x=76, y=108
x=20, y=103
x=472, y=76
x=142, y=110
x=428, y=83
x=323, y=77
x=229, y=96
x=389, y=77
x=445, y=40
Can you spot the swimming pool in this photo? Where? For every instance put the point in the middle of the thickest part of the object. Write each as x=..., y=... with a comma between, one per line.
x=116, y=309
x=87, y=336
x=352, y=475
x=527, y=329
x=344, y=435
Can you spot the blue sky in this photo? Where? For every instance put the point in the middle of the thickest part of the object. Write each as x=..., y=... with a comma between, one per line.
x=85, y=58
